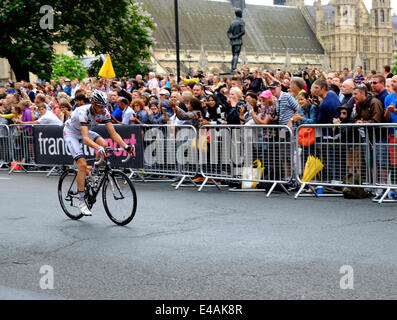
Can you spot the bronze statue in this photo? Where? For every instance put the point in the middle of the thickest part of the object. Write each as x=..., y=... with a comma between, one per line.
x=235, y=34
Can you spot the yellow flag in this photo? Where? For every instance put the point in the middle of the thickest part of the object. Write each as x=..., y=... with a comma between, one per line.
x=107, y=70
x=196, y=80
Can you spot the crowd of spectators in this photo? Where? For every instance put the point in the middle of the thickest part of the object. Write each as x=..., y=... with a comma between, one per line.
x=248, y=97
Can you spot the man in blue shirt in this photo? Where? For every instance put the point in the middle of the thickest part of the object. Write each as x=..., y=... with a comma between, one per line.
x=378, y=86
x=8, y=88
x=330, y=101
x=390, y=103
x=327, y=103
x=68, y=87
x=391, y=116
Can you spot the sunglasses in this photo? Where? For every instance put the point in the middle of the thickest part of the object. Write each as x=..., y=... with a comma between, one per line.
x=343, y=112
x=374, y=82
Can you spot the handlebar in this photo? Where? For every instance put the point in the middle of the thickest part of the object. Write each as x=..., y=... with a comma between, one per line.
x=112, y=150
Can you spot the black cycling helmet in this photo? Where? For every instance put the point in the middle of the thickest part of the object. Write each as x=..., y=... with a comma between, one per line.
x=100, y=98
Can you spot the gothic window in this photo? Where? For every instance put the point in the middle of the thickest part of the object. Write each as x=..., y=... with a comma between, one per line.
x=382, y=16
x=345, y=44
x=383, y=45
x=366, y=46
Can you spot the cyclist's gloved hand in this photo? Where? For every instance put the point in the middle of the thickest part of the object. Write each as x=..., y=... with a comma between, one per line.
x=101, y=151
x=129, y=148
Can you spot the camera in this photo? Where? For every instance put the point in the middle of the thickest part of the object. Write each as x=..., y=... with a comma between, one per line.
x=198, y=75
x=273, y=114
x=316, y=100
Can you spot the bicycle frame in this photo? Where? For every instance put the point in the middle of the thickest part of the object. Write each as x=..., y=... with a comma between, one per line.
x=92, y=191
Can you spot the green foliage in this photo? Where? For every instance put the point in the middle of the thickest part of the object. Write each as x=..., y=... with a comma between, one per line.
x=70, y=67
x=395, y=65
x=121, y=28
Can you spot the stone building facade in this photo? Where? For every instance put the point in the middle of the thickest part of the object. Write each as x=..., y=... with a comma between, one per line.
x=341, y=34
x=351, y=34
x=394, y=22
x=270, y=42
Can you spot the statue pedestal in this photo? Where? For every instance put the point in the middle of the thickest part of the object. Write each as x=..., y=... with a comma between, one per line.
x=227, y=74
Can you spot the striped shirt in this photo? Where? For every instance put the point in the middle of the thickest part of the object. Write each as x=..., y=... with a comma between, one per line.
x=286, y=106
x=217, y=113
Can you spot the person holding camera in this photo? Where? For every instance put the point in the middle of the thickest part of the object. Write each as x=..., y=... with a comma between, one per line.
x=195, y=114
x=237, y=107
x=306, y=113
x=287, y=105
x=328, y=103
x=155, y=116
x=265, y=112
x=215, y=111
x=256, y=84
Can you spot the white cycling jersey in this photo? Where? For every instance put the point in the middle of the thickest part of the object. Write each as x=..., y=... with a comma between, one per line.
x=82, y=116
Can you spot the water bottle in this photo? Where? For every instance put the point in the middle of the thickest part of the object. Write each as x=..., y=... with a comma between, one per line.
x=320, y=190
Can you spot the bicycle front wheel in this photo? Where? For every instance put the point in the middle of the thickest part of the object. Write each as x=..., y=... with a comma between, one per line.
x=68, y=195
x=119, y=198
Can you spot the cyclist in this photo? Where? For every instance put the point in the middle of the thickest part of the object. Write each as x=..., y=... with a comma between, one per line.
x=78, y=129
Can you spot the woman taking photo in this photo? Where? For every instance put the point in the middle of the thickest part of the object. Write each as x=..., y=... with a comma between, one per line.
x=64, y=110
x=306, y=113
x=237, y=107
x=215, y=112
x=195, y=113
x=141, y=115
x=266, y=113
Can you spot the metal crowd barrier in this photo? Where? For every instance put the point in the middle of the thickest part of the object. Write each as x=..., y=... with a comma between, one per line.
x=169, y=151
x=345, y=155
x=384, y=145
x=231, y=152
x=22, y=149
x=5, y=146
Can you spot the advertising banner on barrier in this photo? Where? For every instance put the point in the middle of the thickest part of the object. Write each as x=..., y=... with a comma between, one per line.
x=50, y=147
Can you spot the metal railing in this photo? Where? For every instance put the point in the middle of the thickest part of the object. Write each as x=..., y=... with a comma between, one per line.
x=5, y=146
x=257, y=156
x=22, y=148
x=345, y=155
x=232, y=153
x=170, y=151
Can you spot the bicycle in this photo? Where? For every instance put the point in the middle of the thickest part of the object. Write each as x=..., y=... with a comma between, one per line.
x=116, y=187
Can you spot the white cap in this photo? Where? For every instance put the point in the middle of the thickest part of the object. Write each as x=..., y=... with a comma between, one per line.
x=164, y=91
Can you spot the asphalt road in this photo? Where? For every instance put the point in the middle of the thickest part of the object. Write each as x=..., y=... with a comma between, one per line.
x=188, y=245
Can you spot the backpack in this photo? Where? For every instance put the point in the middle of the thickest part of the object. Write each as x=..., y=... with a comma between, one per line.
x=354, y=192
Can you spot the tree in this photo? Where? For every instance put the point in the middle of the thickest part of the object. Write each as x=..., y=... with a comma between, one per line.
x=395, y=65
x=29, y=30
x=70, y=67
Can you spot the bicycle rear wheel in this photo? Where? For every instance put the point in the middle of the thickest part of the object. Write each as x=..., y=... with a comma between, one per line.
x=119, y=198
x=68, y=195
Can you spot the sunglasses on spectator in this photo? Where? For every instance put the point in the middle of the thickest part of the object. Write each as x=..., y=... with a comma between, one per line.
x=343, y=112
x=374, y=82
